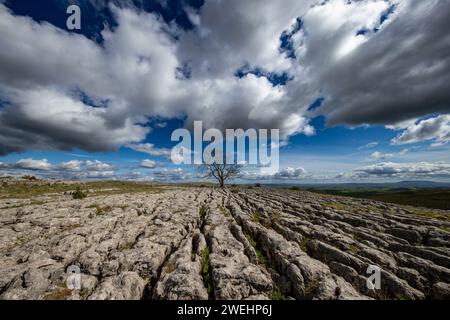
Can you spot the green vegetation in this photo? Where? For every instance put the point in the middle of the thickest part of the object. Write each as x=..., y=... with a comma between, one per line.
x=30, y=188
x=295, y=188
x=429, y=198
x=123, y=206
x=100, y=210
x=58, y=295
x=84, y=293
x=337, y=206
x=256, y=217
x=430, y=214
x=70, y=227
x=79, y=194
x=311, y=289
x=251, y=241
x=261, y=258
x=29, y=178
x=304, y=244
x=353, y=248
x=225, y=212
x=277, y=294
x=206, y=272
x=170, y=267
x=202, y=211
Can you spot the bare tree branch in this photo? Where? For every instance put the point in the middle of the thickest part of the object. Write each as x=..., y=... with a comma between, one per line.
x=220, y=172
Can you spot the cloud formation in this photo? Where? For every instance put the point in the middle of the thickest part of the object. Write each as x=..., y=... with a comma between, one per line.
x=437, y=129
x=405, y=170
x=73, y=169
x=149, y=164
x=373, y=62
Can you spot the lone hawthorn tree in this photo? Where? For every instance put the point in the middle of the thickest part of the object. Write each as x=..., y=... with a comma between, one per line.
x=220, y=172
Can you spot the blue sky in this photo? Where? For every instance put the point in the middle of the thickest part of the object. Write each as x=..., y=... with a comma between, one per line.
x=338, y=79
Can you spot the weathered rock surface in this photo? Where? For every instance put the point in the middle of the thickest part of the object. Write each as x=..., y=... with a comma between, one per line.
x=204, y=243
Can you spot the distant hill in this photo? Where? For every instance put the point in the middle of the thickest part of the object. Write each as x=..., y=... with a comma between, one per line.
x=371, y=186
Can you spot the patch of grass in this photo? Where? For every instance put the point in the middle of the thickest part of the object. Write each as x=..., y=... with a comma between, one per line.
x=70, y=227
x=434, y=198
x=430, y=214
x=170, y=267
x=311, y=289
x=58, y=295
x=181, y=210
x=337, y=206
x=261, y=258
x=277, y=294
x=357, y=238
x=17, y=189
x=206, y=272
x=84, y=293
x=353, y=248
x=149, y=283
x=259, y=255
x=35, y=202
x=275, y=217
x=304, y=244
x=225, y=212
x=256, y=217
x=400, y=297
x=295, y=188
x=125, y=246
x=202, y=211
x=251, y=241
x=100, y=210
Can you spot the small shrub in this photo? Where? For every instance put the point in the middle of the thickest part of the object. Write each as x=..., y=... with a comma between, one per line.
x=79, y=194
x=29, y=178
x=295, y=188
x=257, y=185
